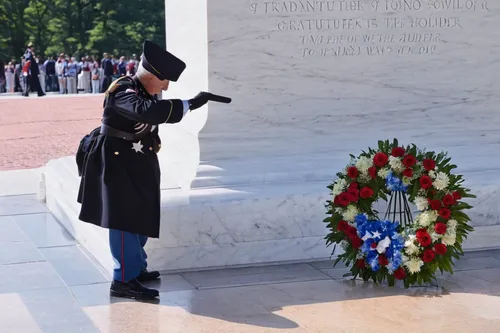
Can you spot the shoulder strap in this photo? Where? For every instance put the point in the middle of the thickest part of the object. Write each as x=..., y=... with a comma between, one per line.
x=114, y=85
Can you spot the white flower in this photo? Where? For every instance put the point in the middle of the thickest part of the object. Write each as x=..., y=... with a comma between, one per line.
x=339, y=187
x=382, y=173
x=441, y=182
x=426, y=218
x=435, y=236
x=414, y=265
x=411, y=248
x=360, y=255
x=449, y=239
x=344, y=245
x=451, y=232
x=364, y=178
x=396, y=164
x=432, y=174
x=451, y=225
x=363, y=164
x=422, y=203
x=339, y=210
x=406, y=180
x=350, y=213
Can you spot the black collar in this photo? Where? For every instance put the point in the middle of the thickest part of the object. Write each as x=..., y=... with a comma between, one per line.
x=141, y=88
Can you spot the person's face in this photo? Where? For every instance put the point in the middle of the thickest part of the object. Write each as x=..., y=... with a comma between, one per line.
x=156, y=86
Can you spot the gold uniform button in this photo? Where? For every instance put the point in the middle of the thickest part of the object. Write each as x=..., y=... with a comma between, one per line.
x=117, y=153
x=159, y=146
x=151, y=148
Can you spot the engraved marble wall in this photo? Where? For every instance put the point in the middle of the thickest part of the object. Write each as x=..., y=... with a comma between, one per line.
x=326, y=77
x=307, y=75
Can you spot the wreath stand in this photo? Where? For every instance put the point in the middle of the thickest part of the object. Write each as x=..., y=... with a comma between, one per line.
x=398, y=210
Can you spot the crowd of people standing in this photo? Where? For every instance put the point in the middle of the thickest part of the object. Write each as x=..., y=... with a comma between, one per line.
x=65, y=75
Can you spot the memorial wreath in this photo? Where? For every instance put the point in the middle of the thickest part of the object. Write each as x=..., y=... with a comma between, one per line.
x=398, y=247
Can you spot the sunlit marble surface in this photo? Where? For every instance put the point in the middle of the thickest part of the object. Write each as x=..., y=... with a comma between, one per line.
x=50, y=284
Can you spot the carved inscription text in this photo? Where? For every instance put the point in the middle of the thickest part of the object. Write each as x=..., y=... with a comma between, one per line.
x=367, y=27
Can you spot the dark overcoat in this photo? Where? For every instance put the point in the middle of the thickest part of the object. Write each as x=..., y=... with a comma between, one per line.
x=120, y=174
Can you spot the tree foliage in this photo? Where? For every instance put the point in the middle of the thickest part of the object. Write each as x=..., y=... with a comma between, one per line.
x=80, y=27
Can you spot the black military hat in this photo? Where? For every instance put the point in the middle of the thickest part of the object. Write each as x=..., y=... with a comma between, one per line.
x=163, y=64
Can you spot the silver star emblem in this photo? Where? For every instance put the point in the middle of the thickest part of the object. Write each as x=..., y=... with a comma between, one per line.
x=137, y=146
x=376, y=234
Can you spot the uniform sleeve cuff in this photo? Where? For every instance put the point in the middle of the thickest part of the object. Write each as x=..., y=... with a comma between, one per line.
x=186, y=106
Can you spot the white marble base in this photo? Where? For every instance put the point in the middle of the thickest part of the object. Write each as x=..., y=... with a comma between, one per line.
x=238, y=225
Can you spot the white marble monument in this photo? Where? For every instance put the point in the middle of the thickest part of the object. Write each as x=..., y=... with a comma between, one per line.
x=311, y=82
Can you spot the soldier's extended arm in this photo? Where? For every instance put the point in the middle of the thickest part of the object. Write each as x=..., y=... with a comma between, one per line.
x=153, y=112
x=149, y=111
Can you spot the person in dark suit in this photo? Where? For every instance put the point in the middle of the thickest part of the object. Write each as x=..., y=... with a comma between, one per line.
x=118, y=165
x=107, y=66
x=33, y=81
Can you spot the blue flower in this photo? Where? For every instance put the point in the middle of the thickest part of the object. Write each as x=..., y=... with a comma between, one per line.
x=380, y=232
x=394, y=183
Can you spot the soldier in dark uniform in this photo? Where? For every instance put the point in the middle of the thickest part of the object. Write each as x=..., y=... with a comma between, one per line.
x=33, y=81
x=120, y=174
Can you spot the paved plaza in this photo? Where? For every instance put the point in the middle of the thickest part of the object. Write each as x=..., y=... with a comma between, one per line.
x=50, y=284
x=35, y=130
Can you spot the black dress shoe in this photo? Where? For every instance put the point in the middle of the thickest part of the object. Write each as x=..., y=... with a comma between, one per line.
x=132, y=289
x=146, y=276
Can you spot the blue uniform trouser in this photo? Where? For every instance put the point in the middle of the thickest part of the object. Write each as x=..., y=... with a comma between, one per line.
x=128, y=254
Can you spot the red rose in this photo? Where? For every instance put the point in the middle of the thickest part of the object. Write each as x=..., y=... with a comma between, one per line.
x=372, y=171
x=360, y=263
x=457, y=196
x=440, y=248
x=342, y=226
x=382, y=260
x=408, y=173
x=366, y=192
x=424, y=238
x=409, y=161
x=380, y=159
x=440, y=228
x=351, y=232
x=445, y=213
x=398, y=152
x=435, y=204
x=428, y=255
x=352, y=196
x=425, y=182
x=356, y=242
x=341, y=200
x=353, y=185
x=353, y=191
x=429, y=164
x=352, y=172
x=448, y=200
x=400, y=273
x=374, y=245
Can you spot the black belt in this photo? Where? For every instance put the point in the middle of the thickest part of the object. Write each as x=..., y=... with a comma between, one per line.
x=116, y=133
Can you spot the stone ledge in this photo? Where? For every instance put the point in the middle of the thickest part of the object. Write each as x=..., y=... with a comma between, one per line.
x=243, y=225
